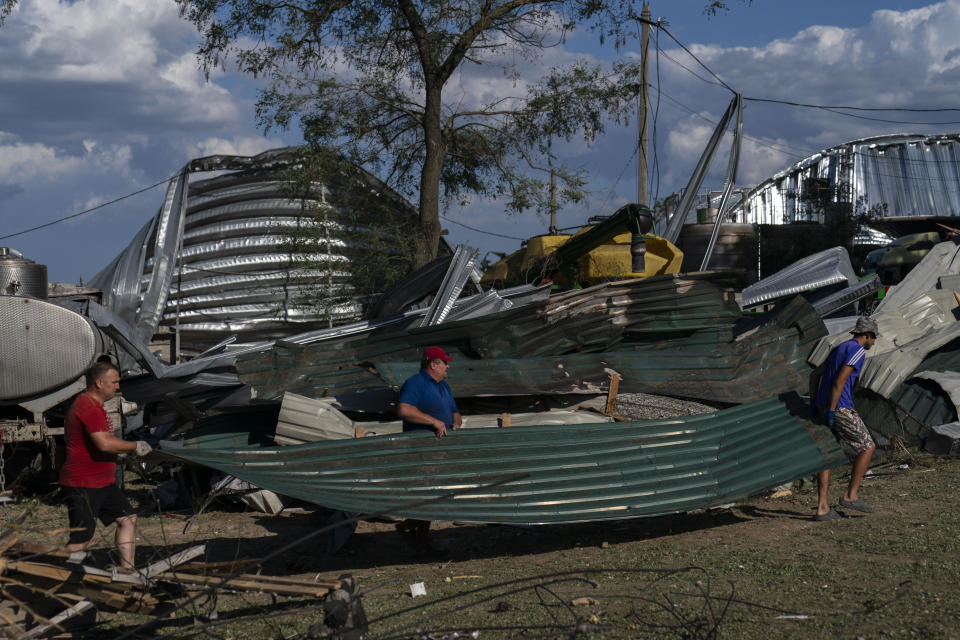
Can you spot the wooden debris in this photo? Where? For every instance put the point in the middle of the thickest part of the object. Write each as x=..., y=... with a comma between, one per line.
x=55, y=584
x=54, y=622
x=612, y=392
x=265, y=584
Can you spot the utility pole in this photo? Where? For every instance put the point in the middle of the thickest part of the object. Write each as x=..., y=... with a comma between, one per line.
x=638, y=246
x=642, y=194
x=553, y=190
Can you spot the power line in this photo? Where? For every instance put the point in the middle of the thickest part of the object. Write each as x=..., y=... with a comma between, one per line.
x=76, y=215
x=835, y=106
x=793, y=153
x=838, y=109
x=489, y=233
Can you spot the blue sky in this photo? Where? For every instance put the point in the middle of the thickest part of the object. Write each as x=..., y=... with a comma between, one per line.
x=102, y=98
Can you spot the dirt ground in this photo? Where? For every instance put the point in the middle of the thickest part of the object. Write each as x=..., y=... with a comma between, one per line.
x=761, y=568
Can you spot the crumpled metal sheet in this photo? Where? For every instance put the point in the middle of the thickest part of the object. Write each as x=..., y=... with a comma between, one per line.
x=120, y=280
x=942, y=260
x=917, y=404
x=949, y=381
x=905, y=172
x=708, y=365
x=914, y=321
x=919, y=329
x=840, y=299
x=461, y=268
x=557, y=474
x=822, y=269
x=588, y=320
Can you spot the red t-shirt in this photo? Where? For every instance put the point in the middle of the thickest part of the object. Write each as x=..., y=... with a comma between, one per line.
x=86, y=466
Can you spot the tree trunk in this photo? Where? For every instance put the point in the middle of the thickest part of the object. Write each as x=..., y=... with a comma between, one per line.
x=428, y=237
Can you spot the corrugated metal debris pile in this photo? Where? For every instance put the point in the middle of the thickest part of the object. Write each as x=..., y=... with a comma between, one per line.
x=908, y=387
x=48, y=592
x=681, y=335
x=517, y=352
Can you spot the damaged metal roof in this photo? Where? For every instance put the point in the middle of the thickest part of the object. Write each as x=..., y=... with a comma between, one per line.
x=919, y=332
x=828, y=267
x=707, y=365
x=571, y=473
x=589, y=320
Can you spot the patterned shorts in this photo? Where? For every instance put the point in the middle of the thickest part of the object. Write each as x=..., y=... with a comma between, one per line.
x=851, y=432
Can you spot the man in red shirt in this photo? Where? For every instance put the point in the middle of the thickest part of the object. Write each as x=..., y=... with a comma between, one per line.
x=88, y=476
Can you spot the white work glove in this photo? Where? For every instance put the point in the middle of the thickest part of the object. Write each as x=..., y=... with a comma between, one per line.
x=143, y=448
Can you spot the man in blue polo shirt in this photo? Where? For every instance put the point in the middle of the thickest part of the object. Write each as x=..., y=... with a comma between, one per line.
x=426, y=402
x=834, y=403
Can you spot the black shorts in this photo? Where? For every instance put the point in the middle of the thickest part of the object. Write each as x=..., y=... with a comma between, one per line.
x=86, y=504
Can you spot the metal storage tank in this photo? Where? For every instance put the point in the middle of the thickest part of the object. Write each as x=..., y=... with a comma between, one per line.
x=20, y=276
x=42, y=347
x=735, y=249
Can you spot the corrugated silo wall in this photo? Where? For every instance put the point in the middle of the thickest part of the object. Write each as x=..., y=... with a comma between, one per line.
x=261, y=263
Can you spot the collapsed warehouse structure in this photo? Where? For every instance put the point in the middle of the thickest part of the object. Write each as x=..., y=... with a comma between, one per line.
x=218, y=261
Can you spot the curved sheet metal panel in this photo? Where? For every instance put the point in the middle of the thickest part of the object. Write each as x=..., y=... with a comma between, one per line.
x=913, y=175
x=42, y=347
x=572, y=473
x=831, y=266
x=217, y=259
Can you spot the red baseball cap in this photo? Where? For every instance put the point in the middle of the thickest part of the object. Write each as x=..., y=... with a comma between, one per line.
x=436, y=353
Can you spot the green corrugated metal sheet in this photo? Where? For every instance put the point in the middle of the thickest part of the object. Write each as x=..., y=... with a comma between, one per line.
x=915, y=405
x=708, y=365
x=571, y=473
x=241, y=426
x=592, y=320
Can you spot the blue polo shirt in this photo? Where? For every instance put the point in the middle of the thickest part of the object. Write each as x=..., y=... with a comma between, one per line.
x=848, y=353
x=432, y=397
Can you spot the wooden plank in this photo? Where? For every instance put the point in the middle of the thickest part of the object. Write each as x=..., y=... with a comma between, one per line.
x=173, y=561
x=26, y=548
x=130, y=602
x=56, y=573
x=317, y=591
x=8, y=539
x=329, y=584
x=222, y=565
x=611, y=408
x=54, y=622
x=505, y=419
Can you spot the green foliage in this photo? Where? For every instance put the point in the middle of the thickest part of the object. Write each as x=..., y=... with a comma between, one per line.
x=368, y=78
x=6, y=6
x=353, y=237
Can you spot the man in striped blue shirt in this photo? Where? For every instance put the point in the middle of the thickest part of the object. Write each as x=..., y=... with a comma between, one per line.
x=834, y=403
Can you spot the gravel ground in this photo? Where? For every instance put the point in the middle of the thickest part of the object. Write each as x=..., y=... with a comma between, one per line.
x=644, y=406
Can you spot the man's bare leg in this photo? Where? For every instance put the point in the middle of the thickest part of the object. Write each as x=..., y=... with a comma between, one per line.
x=127, y=540
x=823, y=489
x=860, y=464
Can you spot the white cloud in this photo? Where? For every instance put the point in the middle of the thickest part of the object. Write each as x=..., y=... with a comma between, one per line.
x=26, y=162
x=238, y=146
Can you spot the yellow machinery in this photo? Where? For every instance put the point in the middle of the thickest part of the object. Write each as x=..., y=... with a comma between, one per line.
x=596, y=253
